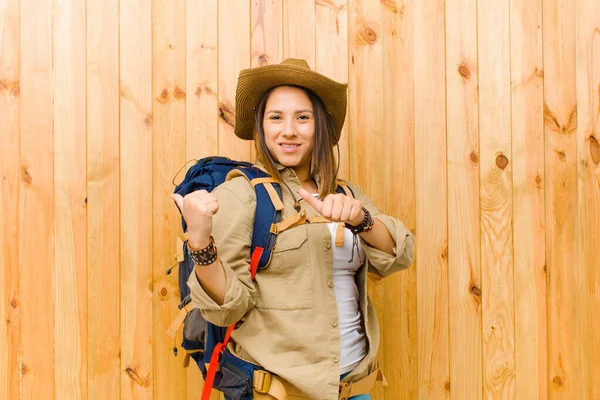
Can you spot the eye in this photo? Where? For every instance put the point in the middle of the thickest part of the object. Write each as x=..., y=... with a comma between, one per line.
x=275, y=117
x=304, y=117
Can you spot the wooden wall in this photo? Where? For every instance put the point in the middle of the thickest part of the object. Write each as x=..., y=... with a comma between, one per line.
x=474, y=121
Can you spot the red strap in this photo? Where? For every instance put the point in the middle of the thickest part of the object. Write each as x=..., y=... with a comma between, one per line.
x=212, y=370
x=256, y=255
x=220, y=347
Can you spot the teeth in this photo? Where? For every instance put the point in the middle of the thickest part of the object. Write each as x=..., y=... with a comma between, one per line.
x=289, y=146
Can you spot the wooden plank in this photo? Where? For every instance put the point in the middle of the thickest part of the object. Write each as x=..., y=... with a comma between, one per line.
x=588, y=138
x=168, y=133
x=527, y=122
x=366, y=136
x=234, y=55
x=201, y=115
x=431, y=194
x=70, y=228
x=496, y=200
x=37, y=201
x=136, y=199
x=103, y=239
x=103, y=201
x=331, y=27
x=299, y=30
x=560, y=120
x=464, y=256
x=10, y=308
x=266, y=32
x=399, y=319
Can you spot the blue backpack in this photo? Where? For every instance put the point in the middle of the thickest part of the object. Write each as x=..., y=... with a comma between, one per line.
x=203, y=341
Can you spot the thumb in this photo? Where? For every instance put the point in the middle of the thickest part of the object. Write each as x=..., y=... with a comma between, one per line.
x=178, y=200
x=310, y=199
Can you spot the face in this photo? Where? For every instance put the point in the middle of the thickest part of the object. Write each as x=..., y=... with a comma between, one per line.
x=289, y=126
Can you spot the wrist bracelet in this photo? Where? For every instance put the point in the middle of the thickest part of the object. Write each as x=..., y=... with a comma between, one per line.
x=205, y=256
x=365, y=226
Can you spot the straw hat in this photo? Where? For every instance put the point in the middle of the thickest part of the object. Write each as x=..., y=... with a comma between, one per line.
x=254, y=82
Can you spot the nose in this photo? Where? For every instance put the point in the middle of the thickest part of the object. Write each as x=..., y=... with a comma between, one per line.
x=289, y=128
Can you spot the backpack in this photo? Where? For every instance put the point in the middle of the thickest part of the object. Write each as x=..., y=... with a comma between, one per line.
x=203, y=341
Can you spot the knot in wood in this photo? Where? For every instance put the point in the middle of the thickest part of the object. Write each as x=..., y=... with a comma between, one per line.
x=14, y=303
x=474, y=157
x=557, y=381
x=179, y=93
x=464, y=71
x=594, y=150
x=369, y=35
x=501, y=161
x=148, y=121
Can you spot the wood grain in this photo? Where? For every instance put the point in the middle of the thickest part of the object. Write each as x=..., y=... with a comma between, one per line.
x=70, y=196
x=431, y=199
x=527, y=124
x=331, y=29
x=562, y=241
x=266, y=32
x=498, y=324
x=464, y=252
x=299, y=30
x=103, y=204
x=588, y=137
x=168, y=140
x=36, y=201
x=234, y=55
x=399, y=302
x=366, y=128
x=201, y=134
x=136, y=199
x=10, y=275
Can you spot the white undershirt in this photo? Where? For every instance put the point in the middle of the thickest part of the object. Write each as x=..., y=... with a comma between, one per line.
x=353, y=343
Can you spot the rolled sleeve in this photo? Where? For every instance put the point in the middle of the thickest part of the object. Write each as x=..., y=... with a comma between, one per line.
x=382, y=263
x=232, y=232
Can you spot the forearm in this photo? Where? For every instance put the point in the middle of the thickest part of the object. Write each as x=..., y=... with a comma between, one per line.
x=211, y=277
x=379, y=237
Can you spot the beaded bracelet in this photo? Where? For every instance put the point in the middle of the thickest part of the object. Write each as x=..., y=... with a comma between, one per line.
x=365, y=226
x=205, y=256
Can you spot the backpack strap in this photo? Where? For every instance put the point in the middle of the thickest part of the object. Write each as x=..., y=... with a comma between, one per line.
x=269, y=203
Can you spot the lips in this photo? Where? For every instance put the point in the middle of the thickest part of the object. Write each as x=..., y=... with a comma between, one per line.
x=289, y=147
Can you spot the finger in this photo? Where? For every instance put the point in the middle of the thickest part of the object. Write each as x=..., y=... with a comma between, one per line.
x=337, y=208
x=178, y=200
x=356, y=212
x=212, y=208
x=310, y=199
x=327, y=206
x=346, y=212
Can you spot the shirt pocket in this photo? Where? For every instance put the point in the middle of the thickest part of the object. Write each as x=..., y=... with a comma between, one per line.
x=286, y=283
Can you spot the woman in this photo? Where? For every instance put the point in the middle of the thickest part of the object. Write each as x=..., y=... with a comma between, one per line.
x=307, y=317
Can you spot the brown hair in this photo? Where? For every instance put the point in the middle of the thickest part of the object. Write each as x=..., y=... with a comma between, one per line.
x=322, y=163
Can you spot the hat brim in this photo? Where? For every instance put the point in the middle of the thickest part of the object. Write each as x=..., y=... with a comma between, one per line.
x=254, y=82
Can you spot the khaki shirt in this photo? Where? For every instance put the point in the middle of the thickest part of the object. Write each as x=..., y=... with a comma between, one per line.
x=290, y=312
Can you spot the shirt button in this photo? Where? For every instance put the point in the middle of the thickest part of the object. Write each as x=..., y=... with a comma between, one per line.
x=334, y=323
x=330, y=284
x=336, y=359
x=327, y=245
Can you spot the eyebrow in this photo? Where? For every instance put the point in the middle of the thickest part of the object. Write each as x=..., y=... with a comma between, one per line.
x=281, y=112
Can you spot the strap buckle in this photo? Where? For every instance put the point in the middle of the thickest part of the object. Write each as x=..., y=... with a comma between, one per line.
x=262, y=381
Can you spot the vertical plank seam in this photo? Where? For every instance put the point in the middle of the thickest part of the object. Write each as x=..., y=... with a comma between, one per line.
x=481, y=280
x=512, y=197
x=447, y=239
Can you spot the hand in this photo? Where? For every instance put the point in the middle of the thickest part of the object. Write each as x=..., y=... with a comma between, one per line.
x=336, y=207
x=198, y=209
